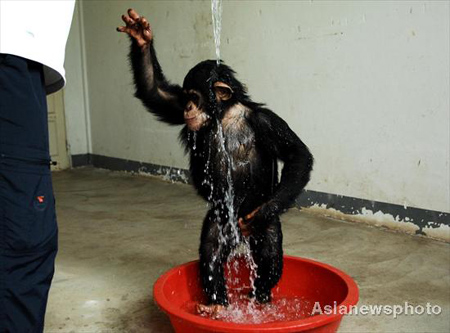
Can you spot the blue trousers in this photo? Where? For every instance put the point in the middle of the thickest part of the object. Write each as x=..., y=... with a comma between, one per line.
x=28, y=228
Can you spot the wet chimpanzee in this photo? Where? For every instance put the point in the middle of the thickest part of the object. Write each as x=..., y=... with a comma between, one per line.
x=229, y=138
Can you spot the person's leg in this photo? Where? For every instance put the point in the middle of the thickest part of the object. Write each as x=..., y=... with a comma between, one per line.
x=28, y=229
x=26, y=279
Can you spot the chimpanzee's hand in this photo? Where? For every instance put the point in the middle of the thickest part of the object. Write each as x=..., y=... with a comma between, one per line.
x=258, y=218
x=244, y=222
x=137, y=27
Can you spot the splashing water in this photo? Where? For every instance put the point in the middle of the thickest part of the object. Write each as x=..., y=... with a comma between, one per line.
x=245, y=311
x=229, y=194
x=216, y=8
x=225, y=206
x=194, y=139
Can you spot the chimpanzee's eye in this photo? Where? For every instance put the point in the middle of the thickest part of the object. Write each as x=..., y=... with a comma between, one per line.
x=223, y=93
x=194, y=98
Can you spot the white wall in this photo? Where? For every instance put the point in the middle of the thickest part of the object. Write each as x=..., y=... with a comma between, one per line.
x=364, y=83
x=75, y=93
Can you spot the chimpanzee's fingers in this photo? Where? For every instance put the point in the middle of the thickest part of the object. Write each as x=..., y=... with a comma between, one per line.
x=204, y=309
x=129, y=21
x=217, y=309
x=245, y=228
x=146, y=29
x=252, y=214
x=133, y=14
x=121, y=29
x=144, y=23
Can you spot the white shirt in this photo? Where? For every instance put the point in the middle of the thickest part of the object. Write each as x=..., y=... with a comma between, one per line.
x=38, y=30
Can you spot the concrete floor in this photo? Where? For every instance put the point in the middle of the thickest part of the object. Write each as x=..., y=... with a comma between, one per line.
x=119, y=232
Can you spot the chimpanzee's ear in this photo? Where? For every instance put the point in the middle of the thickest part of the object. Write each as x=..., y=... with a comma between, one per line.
x=223, y=91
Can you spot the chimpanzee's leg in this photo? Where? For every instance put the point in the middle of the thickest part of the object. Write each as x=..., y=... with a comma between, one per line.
x=267, y=251
x=214, y=252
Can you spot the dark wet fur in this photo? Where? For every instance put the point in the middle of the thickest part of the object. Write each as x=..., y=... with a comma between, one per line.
x=255, y=139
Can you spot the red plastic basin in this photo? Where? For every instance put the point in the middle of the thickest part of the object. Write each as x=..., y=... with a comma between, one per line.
x=308, y=279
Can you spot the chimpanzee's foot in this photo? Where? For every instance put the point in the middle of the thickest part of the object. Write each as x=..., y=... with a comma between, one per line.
x=212, y=310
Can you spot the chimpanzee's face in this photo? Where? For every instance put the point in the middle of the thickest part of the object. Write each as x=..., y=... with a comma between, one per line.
x=199, y=109
x=207, y=91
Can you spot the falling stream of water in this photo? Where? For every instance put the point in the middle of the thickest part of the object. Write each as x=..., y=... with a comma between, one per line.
x=230, y=227
x=216, y=9
x=241, y=309
x=226, y=158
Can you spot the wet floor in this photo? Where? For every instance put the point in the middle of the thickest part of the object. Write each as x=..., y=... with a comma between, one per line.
x=119, y=232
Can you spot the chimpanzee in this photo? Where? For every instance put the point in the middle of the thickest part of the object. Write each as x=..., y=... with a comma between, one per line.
x=229, y=138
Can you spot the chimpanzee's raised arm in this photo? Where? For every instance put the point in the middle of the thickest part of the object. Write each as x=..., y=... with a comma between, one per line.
x=163, y=99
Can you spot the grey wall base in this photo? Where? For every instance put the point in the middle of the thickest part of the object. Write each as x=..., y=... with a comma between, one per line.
x=422, y=218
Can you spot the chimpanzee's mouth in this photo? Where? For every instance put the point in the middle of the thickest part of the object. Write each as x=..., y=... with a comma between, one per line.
x=186, y=118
